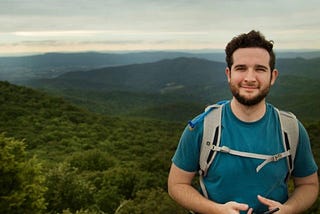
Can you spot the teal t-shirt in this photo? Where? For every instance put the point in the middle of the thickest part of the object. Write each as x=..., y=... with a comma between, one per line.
x=234, y=178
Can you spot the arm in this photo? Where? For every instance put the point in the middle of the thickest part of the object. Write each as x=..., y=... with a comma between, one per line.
x=304, y=195
x=181, y=190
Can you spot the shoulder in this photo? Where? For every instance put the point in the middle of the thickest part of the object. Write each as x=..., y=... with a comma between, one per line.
x=196, y=127
x=187, y=153
x=198, y=121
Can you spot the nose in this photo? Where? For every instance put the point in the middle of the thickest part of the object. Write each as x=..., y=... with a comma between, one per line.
x=250, y=75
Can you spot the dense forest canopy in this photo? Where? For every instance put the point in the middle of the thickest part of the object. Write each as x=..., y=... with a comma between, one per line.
x=90, y=162
x=72, y=149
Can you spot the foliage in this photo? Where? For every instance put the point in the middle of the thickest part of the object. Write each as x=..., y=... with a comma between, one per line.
x=67, y=189
x=150, y=201
x=166, y=89
x=22, y=181
x=91, y=163
x=93, y=159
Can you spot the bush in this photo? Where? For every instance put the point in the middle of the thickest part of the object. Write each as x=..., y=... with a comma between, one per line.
x=67, y=189
x=21, y=182
x=155, y=201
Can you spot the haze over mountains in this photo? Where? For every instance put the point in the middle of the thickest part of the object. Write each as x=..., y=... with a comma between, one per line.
x=163, y=85
x=17, y=69
x=161, y=76
x=50, y=65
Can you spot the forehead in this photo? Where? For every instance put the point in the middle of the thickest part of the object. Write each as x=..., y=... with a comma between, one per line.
x=254, y=56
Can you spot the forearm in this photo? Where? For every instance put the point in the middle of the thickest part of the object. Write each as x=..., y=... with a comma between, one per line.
x=188, y=197
x=181, y=190
x=303, y=197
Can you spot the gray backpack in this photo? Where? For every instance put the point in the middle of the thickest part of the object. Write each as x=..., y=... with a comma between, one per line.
x=211, y=142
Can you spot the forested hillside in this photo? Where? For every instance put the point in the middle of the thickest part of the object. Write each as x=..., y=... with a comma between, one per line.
x=101, y=140
x=156, y=77
x=154, y=90
x=73, y=160
x=88, y=162
x=161, y=89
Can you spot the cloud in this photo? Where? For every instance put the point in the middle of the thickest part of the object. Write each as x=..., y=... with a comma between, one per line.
x=55, y=33
x=143, y=23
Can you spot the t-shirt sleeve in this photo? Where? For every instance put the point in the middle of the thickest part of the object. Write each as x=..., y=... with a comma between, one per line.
x=304, y=164
x=187, y=154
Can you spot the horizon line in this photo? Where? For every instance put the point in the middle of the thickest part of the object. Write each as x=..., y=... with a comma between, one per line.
x=200, y=51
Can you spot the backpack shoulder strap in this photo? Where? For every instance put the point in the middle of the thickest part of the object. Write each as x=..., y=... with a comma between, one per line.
x=210, y=139
x=211, y=136
x=290, y=135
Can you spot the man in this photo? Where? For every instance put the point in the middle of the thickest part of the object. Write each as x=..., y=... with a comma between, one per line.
x=249, y=124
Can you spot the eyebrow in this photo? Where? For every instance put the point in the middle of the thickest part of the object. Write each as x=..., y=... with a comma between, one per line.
x=240, y=66
x=256, y=66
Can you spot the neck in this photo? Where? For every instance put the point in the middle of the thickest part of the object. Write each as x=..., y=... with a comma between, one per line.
x=248, y=113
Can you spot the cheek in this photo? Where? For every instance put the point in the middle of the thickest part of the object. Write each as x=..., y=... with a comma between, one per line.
x=264, y=80
x=235, y=78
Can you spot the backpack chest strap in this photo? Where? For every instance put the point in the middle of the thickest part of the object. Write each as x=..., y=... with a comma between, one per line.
x=267, y=158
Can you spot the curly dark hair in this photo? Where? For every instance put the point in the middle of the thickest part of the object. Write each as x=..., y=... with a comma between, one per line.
x=246, y=40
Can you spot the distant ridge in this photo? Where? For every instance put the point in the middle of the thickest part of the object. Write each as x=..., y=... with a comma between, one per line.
x=19, y=69
x=151, y=77
x=159, y=86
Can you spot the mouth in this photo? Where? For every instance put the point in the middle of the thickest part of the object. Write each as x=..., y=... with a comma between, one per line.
x=249, y=87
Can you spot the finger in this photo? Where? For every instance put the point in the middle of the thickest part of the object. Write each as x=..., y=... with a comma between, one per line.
x=272, y=211
x=240, y=206
x=266, y=201
x=250, y=211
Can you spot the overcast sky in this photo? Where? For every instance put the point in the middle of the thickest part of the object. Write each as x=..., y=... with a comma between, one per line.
x=109, y=25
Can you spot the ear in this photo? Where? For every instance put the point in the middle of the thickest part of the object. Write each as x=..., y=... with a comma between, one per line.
x=274, y=76
x=228, y=73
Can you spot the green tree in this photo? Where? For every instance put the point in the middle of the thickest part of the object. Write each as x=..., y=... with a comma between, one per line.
x=150, y=201
x=21, y=182
x=67, y=189
x=117, y=184
x=92, y=160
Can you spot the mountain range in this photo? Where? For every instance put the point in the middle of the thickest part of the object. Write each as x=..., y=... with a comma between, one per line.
x=22, y=68
x=162, y=76
x=170, y=85
x=96, y=161
x=163, y=85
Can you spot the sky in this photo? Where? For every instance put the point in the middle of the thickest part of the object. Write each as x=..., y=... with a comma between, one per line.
x=33, y=26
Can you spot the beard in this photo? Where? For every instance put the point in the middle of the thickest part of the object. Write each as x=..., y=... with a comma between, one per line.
x=248, y=101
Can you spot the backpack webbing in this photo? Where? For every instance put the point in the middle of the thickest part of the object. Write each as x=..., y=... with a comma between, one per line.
x=211, y=141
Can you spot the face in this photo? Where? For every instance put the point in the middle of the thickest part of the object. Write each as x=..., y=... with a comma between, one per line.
x=250, y=77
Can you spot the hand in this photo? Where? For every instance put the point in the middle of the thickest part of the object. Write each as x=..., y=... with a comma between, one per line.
x=233, y=207
x=273, y=204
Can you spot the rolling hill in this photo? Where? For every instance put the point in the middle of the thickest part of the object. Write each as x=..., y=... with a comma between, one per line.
x=162, y=76
x=157, y=87
x=132, y=89
x=93, y=162
x=90, y=163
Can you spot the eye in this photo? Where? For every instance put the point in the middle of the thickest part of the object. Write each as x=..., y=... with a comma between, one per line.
x=261, y=69
x=240, y=68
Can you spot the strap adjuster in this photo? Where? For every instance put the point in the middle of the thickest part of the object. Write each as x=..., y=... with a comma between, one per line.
x=277, y=157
